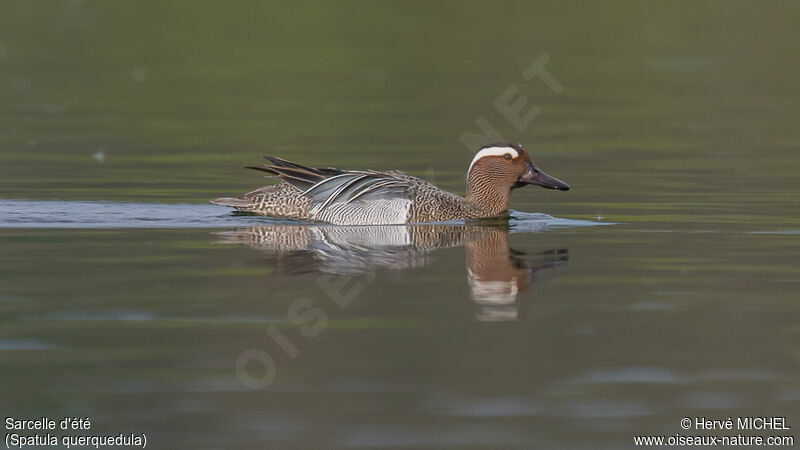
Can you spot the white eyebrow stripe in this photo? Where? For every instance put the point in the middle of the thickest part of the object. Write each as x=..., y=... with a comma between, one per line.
x=493, y=151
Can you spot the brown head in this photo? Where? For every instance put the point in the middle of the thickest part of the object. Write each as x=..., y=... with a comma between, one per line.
x=499, y=168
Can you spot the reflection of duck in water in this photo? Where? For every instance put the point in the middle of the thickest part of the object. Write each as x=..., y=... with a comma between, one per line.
x=496, y=274
x=349, y=250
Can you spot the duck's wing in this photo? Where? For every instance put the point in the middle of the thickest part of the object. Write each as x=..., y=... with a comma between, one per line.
x=299, y=176
x=347, y=197
x=328, y=185
x=361, y=198
x=357, y=186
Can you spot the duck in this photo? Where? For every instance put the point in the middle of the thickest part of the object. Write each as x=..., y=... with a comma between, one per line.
x=368, y=197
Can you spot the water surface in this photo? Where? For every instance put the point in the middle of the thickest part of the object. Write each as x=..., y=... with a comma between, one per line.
x=126, y=298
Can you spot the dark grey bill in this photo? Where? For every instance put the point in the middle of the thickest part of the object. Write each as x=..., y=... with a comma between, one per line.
x=535, y=176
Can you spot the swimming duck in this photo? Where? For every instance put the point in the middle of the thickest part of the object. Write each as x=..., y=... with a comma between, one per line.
x=350, y=197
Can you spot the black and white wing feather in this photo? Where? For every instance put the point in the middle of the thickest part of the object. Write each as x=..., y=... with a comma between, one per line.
x=356, y=186
x=339, y=196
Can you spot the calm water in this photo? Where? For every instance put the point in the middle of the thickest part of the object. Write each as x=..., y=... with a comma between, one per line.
x=663, y=285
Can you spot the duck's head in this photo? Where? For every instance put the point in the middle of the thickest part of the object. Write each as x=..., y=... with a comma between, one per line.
x=497, y=169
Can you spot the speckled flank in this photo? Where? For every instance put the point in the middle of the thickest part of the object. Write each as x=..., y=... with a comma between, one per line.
x=278, y=200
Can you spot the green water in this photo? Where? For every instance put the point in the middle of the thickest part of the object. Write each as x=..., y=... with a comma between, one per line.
x=678, y=122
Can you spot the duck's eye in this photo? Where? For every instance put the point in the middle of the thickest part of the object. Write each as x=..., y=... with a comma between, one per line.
x=507, y=156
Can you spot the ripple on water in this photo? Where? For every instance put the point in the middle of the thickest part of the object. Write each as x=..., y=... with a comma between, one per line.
x=25, y=344
x=605, y=408
x=652, y=305
x=712, y=400
x=76, y=214
x=739, y=374
x=790, y=395
x=648, y=375
x=776, y=232
x=58, y=214
x=488, y=435
x=483, y=407
x=135, y=316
